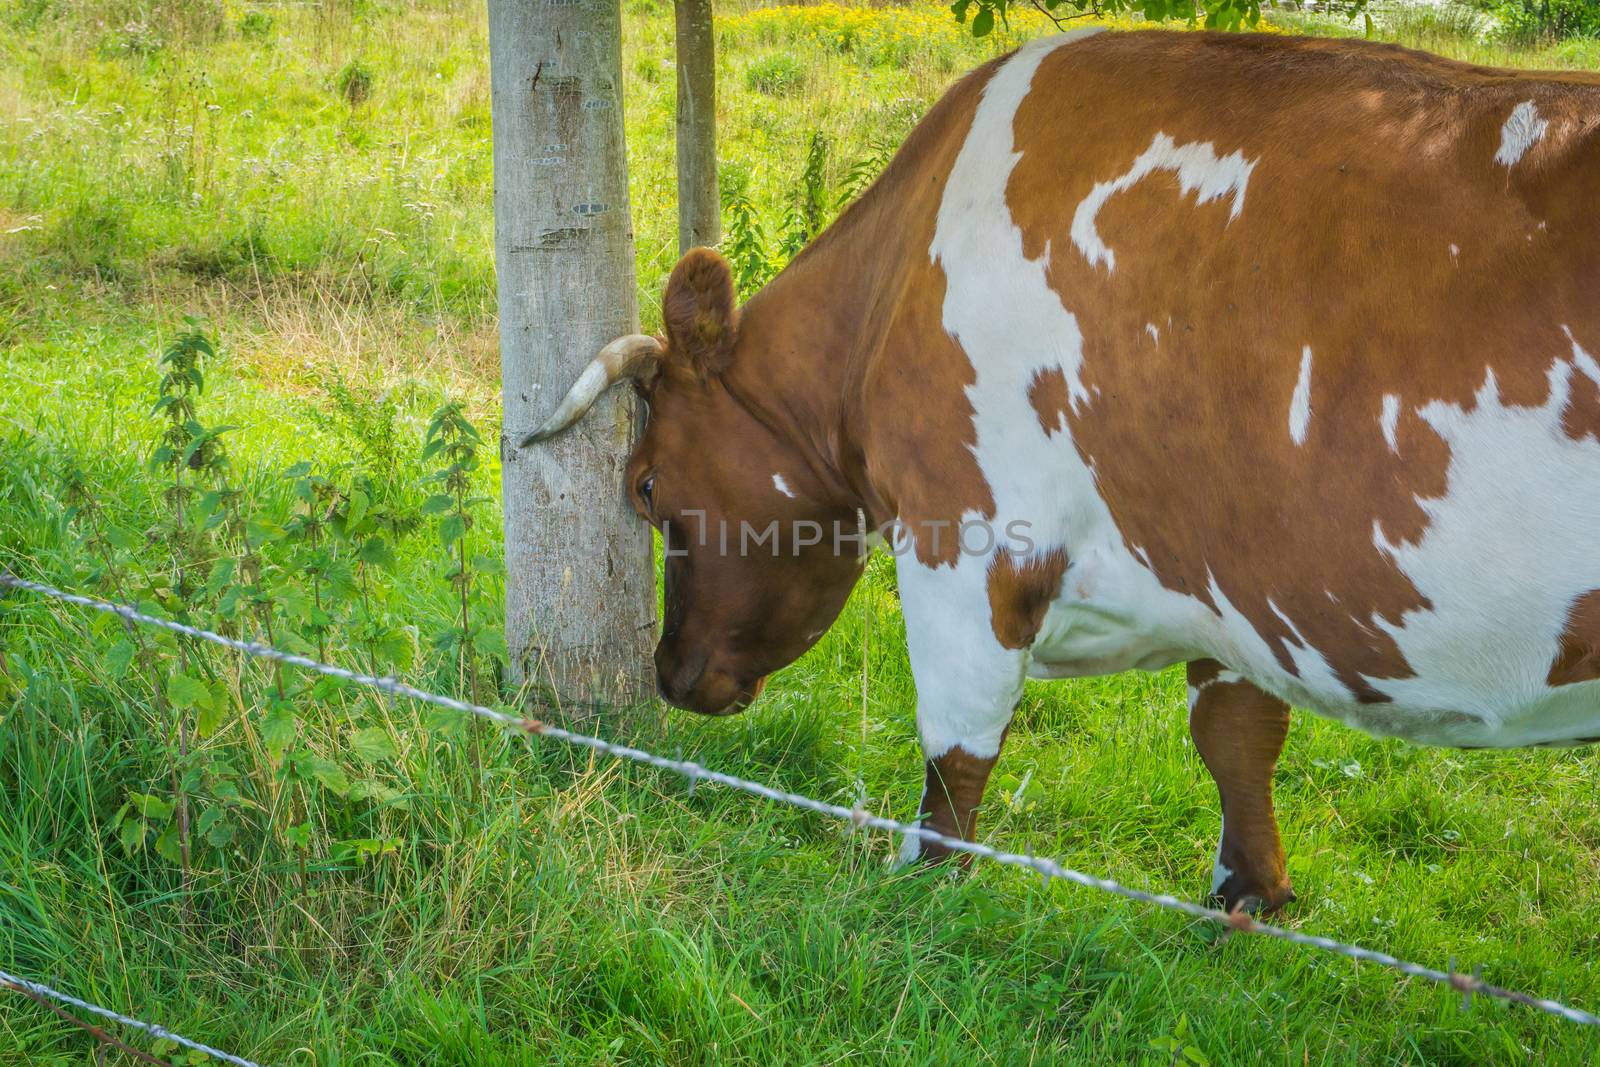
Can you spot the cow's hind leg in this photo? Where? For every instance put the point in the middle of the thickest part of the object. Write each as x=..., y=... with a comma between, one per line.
x=1239, y=731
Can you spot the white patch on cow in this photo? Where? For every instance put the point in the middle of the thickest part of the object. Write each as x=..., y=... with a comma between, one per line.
x=1507, y=549
x=1155, y=334
x=1520, y=133
x=1220, y=872
x=1455, y=251
x=967, y=682
x=911, y=846
x=1199, y=169
x=1389, y=422
x=1193, y=693
x=1300, y=402
x=782, y=486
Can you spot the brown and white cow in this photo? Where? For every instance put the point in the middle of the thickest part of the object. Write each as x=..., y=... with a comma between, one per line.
x=1282, y=351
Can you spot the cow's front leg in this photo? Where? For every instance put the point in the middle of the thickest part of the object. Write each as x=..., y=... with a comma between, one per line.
x=968, y=685
x=1239, y=731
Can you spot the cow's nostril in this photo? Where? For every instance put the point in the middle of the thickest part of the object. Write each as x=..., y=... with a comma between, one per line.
x=677, y=680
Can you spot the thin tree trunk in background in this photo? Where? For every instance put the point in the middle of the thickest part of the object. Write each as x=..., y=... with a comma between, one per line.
x=699, y=211
x=580, y=594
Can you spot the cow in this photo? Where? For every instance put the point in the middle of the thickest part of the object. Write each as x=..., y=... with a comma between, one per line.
x=1281, y=353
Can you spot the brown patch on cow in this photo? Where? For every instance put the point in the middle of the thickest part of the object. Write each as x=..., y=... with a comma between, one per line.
x=911, y=419
x=952, y=792
x=1190, y=441
x=1050, y=397
x=1239, y=732
x=1581, y=417
x=1578, y=649
x=1202, y=672
x=924, y=438
x=1021, y=592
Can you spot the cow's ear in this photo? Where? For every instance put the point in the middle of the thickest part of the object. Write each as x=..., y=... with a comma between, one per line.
x=699, y=312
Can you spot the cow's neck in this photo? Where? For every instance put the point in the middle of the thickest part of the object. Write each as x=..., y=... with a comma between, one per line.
x=804, y=342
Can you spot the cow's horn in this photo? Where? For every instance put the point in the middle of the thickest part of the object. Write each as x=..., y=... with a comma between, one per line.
x=626, y=357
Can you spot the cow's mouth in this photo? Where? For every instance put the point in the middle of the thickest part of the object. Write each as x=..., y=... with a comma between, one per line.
x=717, y=694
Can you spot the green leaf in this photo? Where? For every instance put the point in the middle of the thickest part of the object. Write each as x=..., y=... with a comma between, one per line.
x=357, y=509
x=184, y=691
x=331, y=775
x=299, y=470
x=491, y=643
x=221, y=834
x=452, y=528
x=983, y=23
x=121, y=538
x=278, y=729
x=167, y=844
x=438, y=503
x=376, y=552
x=262, y=531
x=151, y=807
x=442, y=720
x=132, y=834
x=118, y=658
x=376, y=791
x=399, y=647
x=215, y=711
x=373, y=744
x=221, y=574
x=228, y=605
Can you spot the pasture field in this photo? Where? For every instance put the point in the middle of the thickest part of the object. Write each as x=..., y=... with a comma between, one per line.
x=367, y=882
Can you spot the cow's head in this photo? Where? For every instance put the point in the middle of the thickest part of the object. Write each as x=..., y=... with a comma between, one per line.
x=761, y=554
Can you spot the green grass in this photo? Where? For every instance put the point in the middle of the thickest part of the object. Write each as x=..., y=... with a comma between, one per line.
x=556, y=908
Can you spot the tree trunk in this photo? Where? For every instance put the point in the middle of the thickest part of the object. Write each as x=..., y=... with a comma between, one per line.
x=580, y=594
x=699, y=211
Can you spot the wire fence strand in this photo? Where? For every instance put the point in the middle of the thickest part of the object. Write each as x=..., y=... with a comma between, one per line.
x=38, y=990
x=1238, y=921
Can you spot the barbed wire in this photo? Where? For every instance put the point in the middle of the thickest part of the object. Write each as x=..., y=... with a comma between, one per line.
x=38, y=990
x=1236, y=921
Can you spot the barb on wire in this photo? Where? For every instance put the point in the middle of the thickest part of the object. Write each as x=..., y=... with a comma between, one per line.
x=1239, y=921
x=40, y=992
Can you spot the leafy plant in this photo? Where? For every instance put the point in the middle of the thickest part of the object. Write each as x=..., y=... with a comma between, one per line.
x=255, y=26
x=452, y=438
x=354, y=83
x=744, y=242
x=777, y=74
x=1179, y=1047
x=184, y=446
x=809, y=208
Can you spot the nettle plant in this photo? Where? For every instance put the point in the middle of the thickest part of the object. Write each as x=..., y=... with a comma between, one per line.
x=755, y=251
x=244, y=759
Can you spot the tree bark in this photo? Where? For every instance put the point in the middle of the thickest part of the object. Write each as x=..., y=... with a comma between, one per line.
x=580, y=594
x=699, y=210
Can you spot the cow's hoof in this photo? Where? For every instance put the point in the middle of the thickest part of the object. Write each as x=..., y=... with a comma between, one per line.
x=1253, y=901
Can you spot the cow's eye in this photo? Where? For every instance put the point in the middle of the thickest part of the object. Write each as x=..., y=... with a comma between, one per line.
x=646, y=487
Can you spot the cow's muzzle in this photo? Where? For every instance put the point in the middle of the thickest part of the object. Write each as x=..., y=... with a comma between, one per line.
x=689, y=683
